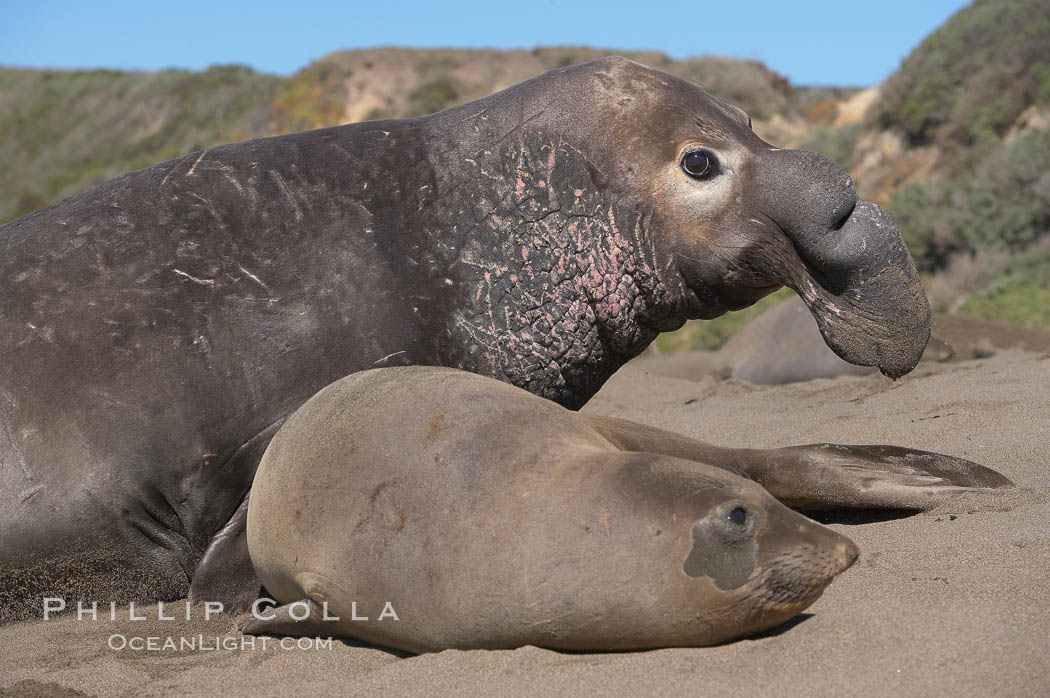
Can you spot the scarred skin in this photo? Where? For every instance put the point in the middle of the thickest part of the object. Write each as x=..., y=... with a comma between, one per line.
x=572, y=291
x=158, y=328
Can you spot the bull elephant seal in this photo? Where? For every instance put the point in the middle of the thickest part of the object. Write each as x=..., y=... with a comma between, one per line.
x=157, y=329
x=456, y=511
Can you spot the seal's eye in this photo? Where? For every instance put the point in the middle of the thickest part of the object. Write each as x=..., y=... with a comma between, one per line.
x=699, y=163
x=749, y=121
x=737, y=515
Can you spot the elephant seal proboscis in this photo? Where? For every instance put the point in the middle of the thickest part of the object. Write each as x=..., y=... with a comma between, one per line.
x=478, y=515
x=157, y=329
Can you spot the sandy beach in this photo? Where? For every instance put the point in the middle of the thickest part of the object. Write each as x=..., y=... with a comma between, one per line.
x=951, y=601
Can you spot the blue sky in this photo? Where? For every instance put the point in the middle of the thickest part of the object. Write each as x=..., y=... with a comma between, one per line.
x=823, y=42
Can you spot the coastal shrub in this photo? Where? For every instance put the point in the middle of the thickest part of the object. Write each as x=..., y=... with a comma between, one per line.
x=746, y=84
x=314, y=97
x=1020, y=295
x=967, y=82
x=69, y=130
x=438, y=86
x=1004, y=204
x=436, y=92
x=838, y=144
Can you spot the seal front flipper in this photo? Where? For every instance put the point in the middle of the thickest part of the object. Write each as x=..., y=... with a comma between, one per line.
x=225, y=571
x=867, y=477
x=301, y=618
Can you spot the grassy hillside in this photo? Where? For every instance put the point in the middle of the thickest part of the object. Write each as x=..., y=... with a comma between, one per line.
x=387, y=83
x=970, y=80
x=66, y=130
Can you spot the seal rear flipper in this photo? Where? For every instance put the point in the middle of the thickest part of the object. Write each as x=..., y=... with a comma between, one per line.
x=225, y=572
x=868, y=477
x=822, y=475
x=301, y=618
x=632, y=436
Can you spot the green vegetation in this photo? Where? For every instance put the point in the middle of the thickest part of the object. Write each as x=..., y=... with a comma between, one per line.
x=712, y=334
x=64, y=131
x=1004, y=203
x=438, y=87
x=964, y=91
x=836, y=143
x=970, y=79
x=312, y=98
x=1021, y=294
x=820, y=104
x=746, y=84
x=438, y=91
x=566, y=59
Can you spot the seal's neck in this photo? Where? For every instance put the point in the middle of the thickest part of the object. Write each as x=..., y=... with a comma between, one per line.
x=558, y=285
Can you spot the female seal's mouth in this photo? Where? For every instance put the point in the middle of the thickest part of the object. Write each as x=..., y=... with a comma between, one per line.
x=792, y=594
x=795, y=579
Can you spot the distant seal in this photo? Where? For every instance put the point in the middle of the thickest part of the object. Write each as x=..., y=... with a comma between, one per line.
x=157, y=329
x=483, y=516
x=782, y=345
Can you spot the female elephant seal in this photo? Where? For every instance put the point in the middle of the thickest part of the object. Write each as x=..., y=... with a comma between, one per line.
x=156, y=330
x=483, y=516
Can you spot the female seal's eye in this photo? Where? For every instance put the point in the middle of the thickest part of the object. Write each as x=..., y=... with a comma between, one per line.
x=699, y=163
x=737, y=515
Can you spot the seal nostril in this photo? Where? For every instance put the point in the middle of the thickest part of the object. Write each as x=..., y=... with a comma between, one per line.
x=850, y=553
x=846, y=216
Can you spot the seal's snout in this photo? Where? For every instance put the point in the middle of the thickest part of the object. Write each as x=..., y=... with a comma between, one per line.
x=801, y=558
x=855, y=275
x=834, y=553
x=808, y=195
x=796, y=579
x=849, y=552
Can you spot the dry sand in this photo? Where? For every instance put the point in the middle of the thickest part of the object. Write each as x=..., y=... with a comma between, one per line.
x=956, y=601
